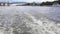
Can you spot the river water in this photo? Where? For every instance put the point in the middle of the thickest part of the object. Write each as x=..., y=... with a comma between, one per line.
x=30, y=20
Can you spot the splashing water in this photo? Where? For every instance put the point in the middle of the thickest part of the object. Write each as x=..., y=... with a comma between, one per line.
x=26, y=23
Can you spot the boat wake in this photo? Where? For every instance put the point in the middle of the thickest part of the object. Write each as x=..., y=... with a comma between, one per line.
x=27, y=24
x=18, y=21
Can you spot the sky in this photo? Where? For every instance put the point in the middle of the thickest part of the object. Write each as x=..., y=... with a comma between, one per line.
x=27, y=0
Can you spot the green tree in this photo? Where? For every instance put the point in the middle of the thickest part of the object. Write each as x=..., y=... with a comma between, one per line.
x=59, y=1
x=47, y=3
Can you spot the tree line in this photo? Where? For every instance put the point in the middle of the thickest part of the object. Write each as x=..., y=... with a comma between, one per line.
x=43, y=3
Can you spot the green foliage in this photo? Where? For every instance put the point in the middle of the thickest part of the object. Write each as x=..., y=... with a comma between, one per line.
x=32, y=4
x=43, y=3
x=15, y=32
x=58, y=1
x=25, y=33
x=46, y=3
x=50, y=3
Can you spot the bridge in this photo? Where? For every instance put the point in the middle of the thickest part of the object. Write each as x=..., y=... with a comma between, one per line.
x=4, y=4
x=8, y=4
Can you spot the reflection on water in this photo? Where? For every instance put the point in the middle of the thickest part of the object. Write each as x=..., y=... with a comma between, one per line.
x=29, y=20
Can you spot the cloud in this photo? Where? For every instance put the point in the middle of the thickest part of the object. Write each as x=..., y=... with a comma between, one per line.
x=27, y=0
x=38, y=0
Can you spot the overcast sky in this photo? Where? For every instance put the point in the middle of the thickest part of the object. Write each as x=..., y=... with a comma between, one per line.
x=27, y=0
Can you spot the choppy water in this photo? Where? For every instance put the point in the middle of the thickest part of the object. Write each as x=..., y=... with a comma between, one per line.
x=29, y=20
